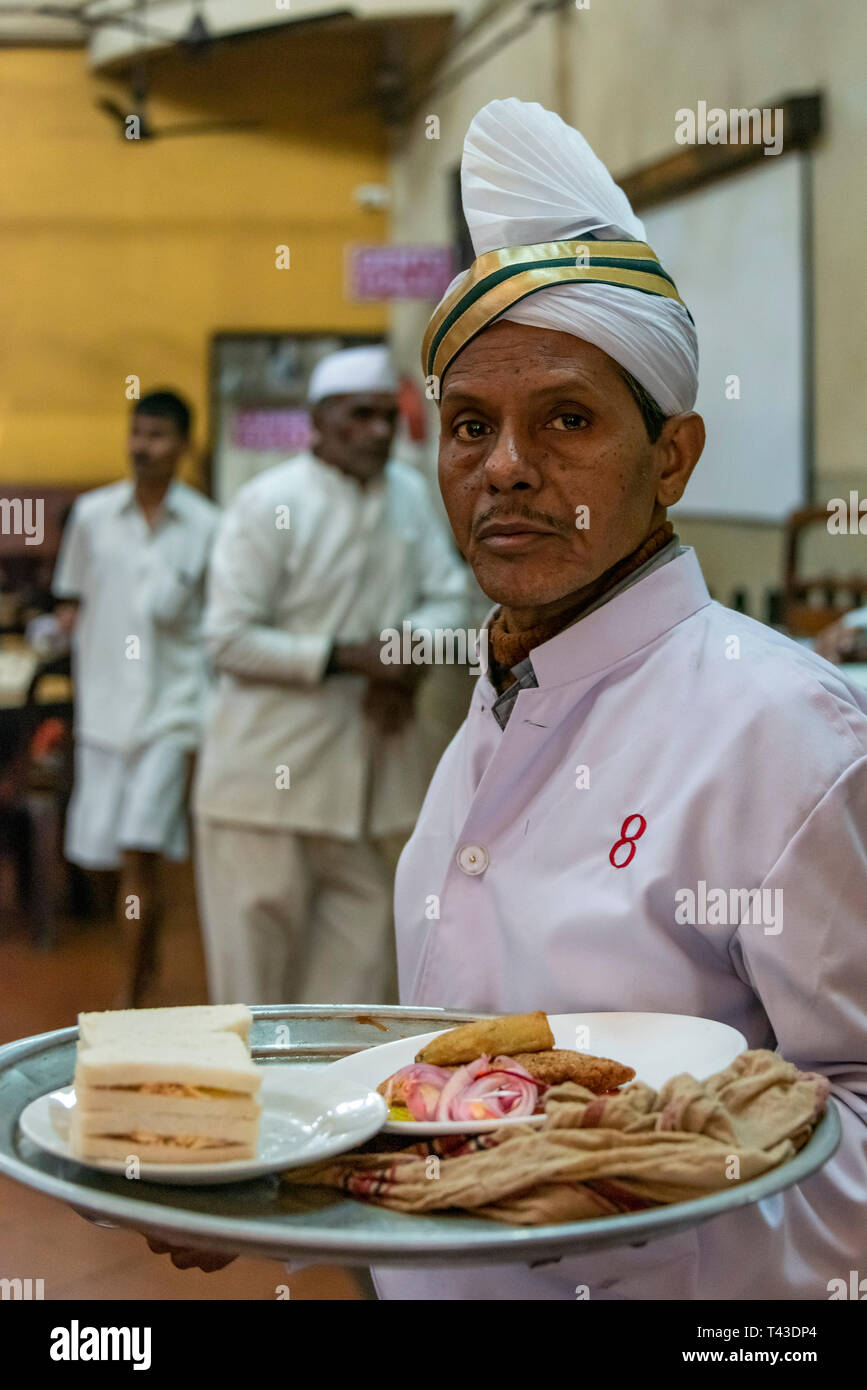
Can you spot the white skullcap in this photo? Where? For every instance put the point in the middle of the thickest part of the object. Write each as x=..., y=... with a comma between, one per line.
x=351, y=370
x=527, y=179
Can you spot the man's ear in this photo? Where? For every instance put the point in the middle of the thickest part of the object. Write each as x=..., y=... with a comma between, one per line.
x=679, y=445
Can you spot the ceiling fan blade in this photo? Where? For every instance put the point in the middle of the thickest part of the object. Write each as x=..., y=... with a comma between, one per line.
x=111, y=108
x=202, y=40
x=204, y=128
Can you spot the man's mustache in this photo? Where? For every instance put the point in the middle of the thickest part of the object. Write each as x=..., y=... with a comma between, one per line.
x=556, y=523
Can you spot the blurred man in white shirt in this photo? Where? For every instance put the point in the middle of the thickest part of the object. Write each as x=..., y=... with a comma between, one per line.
x=131, y=574
x=311, y=754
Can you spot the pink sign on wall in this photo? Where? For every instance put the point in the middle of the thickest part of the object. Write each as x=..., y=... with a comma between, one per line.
x=287, y=430
x=399, y=272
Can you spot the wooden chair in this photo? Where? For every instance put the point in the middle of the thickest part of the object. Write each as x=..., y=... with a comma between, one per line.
x=48, y=790
x=33, y=798
x=16, y=844
x=802, y=615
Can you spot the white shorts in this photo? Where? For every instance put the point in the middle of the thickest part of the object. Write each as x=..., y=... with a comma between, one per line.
x=127, y=801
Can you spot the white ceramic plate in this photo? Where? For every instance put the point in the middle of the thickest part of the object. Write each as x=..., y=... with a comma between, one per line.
x=308, y=1113
x=658, y=1046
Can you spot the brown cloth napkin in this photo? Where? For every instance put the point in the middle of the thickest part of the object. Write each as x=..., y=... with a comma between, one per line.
x=599, y=1155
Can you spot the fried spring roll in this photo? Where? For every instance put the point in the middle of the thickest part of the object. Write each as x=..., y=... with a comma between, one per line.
x=498, y=1037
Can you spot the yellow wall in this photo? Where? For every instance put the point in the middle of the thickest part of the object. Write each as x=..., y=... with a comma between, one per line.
x=119, y=258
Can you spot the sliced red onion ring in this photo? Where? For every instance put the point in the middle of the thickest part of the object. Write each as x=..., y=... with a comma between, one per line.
x=422, y=1099
x=495, y=1096
x=488, y=1091
x=456, y=1084
x=412, y=1076
x=482, y=1090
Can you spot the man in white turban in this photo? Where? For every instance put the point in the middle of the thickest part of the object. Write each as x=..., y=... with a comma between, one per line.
x=631, y=739
x=311, y=759
x=632, y=742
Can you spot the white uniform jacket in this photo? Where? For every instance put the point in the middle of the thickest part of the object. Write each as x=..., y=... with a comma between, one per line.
x=307, y=557
x=671, y=743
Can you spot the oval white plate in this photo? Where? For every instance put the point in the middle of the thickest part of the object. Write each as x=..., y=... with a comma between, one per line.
x=308, y=1113
x=658, y=1046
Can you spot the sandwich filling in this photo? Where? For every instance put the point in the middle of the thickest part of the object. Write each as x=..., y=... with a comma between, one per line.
x=180, y=1141
x=176, y=1088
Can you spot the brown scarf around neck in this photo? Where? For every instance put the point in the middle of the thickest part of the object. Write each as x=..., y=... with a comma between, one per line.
x=510, y=643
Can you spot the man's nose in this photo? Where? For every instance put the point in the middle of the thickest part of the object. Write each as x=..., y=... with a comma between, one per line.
x=510, y=463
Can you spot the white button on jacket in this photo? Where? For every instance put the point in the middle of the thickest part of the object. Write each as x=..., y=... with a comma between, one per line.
x=473, y=859
x=715, y=752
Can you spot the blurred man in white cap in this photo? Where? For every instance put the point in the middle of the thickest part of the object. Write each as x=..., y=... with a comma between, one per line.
x=631, y=739
x=311, y=755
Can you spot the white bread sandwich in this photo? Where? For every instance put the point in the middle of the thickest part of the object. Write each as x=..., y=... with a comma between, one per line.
x=97, y=1028
x=184, y=1099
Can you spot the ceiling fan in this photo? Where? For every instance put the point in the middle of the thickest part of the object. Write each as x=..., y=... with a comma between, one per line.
x=143, y=130
x=197, y=40
x=134, y=123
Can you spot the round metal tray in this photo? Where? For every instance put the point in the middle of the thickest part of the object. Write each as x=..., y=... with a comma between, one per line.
x=264, y=1218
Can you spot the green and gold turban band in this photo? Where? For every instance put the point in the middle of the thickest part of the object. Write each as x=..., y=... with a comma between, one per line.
x=499, y=279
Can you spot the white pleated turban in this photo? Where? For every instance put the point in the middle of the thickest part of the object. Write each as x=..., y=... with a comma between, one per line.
x=558, y=246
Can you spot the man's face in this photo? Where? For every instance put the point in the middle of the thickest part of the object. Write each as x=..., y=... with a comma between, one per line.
x=535, y=424
x=156, y=447
x=355, y=432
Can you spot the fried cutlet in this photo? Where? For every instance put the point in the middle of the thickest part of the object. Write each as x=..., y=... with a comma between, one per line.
x=559, y=1064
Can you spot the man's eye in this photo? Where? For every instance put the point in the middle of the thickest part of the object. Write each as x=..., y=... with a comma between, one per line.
x=571, y=421
x=475, y=429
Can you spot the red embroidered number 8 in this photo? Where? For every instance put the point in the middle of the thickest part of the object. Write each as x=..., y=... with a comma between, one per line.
x=627, y=839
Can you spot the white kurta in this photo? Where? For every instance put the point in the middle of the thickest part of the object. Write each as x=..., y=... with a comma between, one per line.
x=747, y=760
x=138, y=657
x=306, y=557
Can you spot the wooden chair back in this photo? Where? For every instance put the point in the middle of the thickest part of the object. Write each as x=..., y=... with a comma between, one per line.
x=812, y=602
